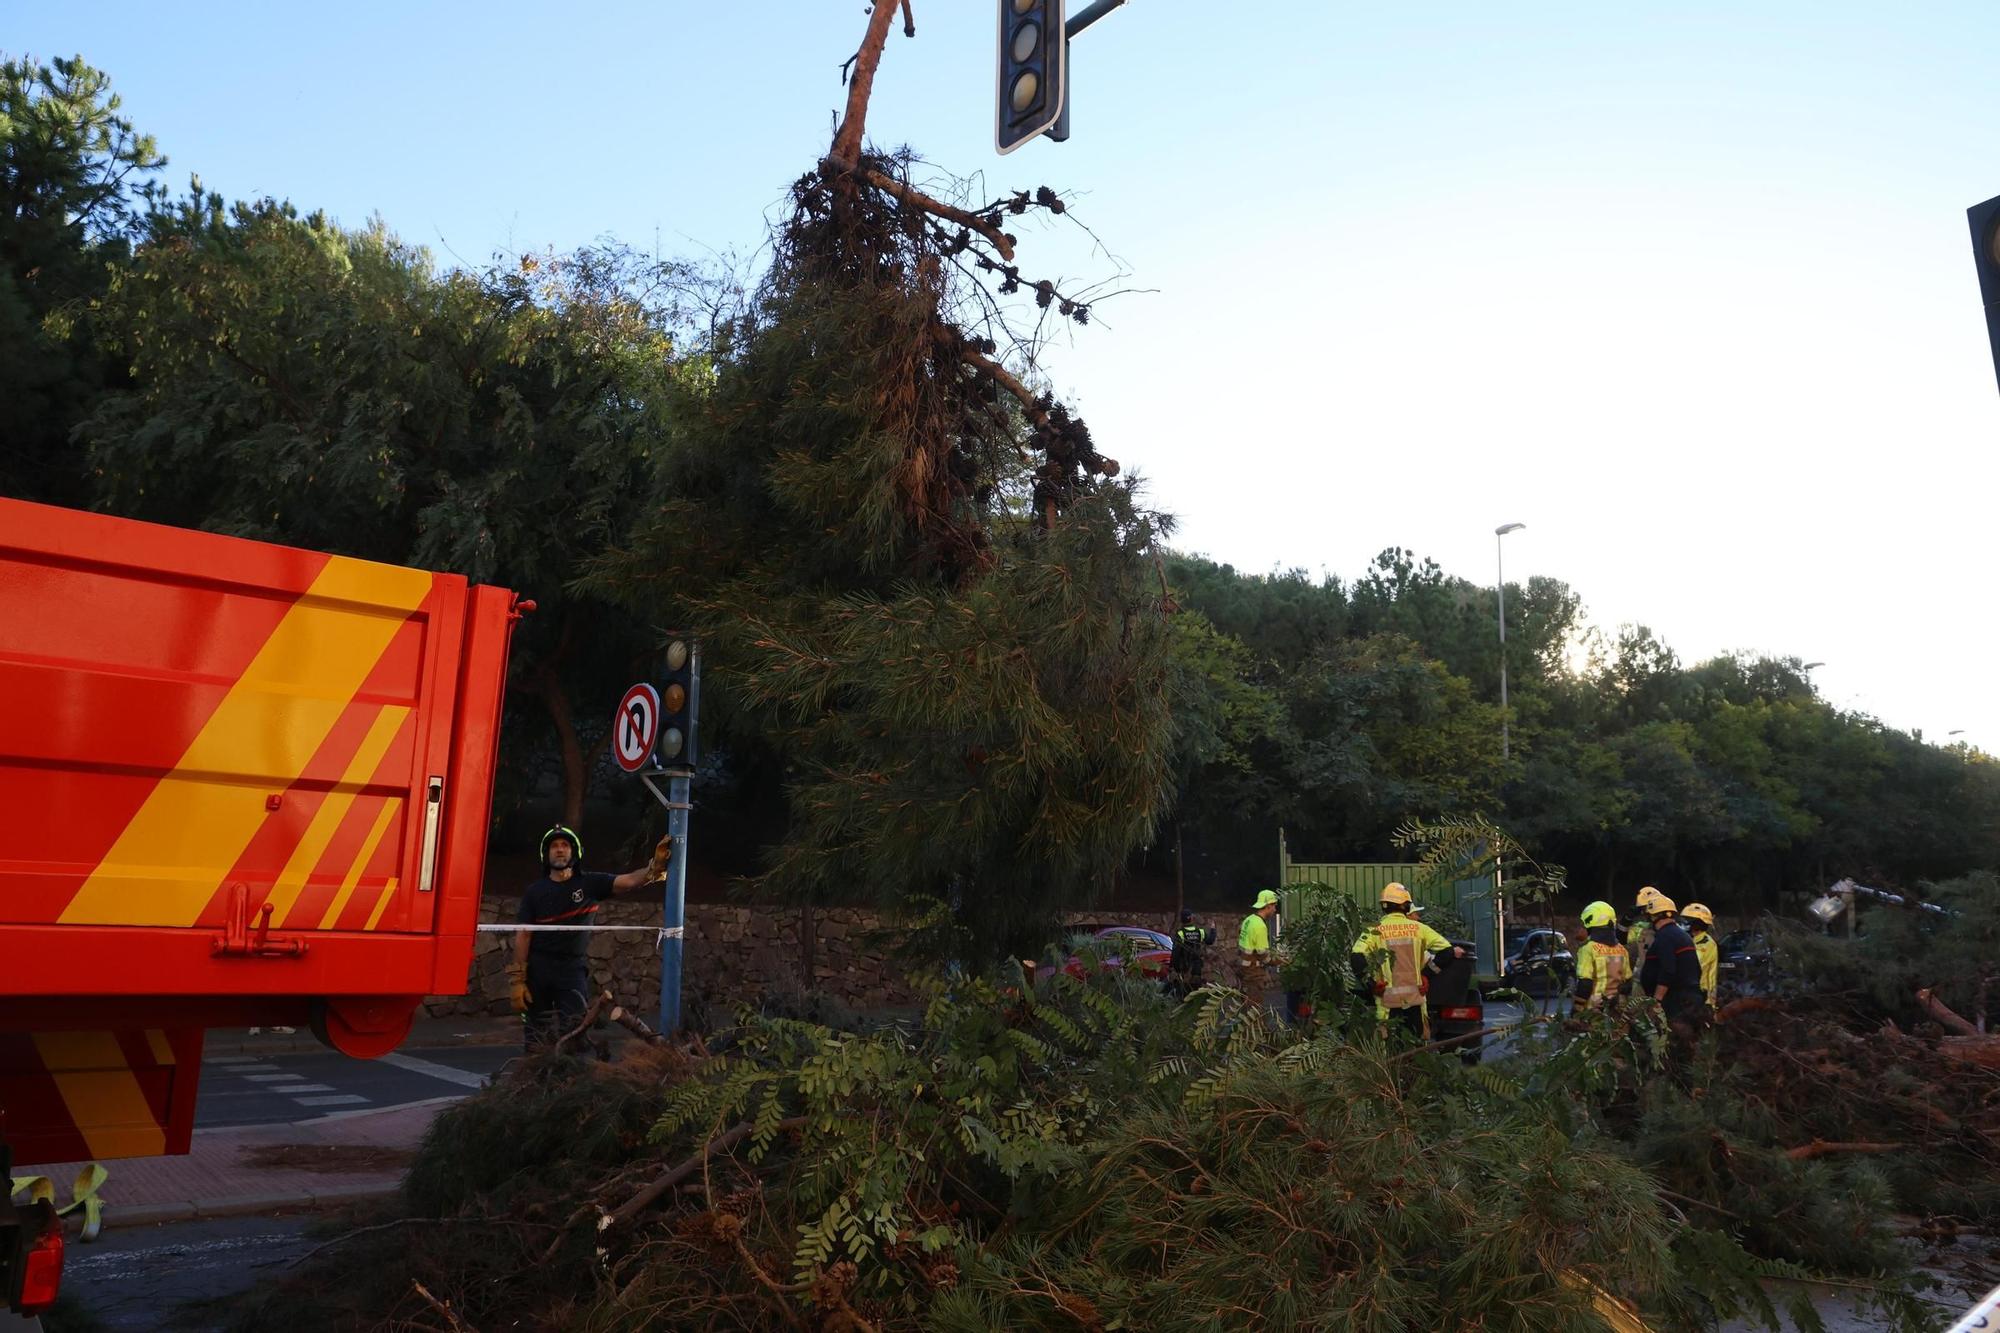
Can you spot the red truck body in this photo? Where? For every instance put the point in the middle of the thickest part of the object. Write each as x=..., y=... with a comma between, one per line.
x=244, y=784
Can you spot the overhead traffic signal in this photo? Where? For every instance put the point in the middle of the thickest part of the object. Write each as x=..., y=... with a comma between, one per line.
x=1033, y=80
x=680, y=695
x=1985, y=220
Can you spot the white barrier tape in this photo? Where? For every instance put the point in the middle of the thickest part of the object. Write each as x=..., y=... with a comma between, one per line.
x=664, y=932
x=1985, y=1315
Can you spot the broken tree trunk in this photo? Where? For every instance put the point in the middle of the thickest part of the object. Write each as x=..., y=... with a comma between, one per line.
x=1943, y=1013
x=1981, y=1051
x=1821, y=1148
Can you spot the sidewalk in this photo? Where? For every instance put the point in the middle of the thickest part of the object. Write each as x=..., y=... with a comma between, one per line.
x=478, y=1030
x=364, y=1153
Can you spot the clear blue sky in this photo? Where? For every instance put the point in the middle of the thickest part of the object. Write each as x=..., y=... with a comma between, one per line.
x=1684, y=287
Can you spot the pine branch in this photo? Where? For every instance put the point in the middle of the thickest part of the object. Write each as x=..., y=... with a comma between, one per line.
x=846, y=153
x=917, y=199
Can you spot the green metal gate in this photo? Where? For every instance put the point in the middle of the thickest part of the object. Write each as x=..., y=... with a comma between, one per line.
x=1363, y=881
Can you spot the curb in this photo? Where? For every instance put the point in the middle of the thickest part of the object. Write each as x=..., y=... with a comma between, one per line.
x=304, y=1043
x=244, y=1205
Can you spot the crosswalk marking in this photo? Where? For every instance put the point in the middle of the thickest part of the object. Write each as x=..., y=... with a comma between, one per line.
x=464, y=1078
x=274, y=1078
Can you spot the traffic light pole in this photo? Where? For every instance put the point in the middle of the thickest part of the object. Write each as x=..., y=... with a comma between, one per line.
x=1090, y=16
x=673, y=913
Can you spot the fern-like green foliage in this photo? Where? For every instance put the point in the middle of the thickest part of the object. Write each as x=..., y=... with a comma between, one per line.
x=1455, y=847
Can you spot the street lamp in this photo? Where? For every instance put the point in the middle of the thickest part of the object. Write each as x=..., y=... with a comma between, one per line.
x=1499, y=866
x=1500, y=586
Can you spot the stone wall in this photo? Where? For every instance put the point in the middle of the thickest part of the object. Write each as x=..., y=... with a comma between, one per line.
x=739, y=954
x=734, y=954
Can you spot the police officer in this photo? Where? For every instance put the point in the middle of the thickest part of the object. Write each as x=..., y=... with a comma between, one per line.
x=1603, y=968
x=1185, y=964
x=549, y=976
x=1389, y=958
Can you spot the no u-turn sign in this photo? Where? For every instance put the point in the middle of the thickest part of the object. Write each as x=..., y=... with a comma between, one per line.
x=636, y=727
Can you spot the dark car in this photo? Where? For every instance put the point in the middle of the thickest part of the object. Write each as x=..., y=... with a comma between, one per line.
x=1150, y=951
x=1457, y=1008
x=1539, y=962
x=1743, y=963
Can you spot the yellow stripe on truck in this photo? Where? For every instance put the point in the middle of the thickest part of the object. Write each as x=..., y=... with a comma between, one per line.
x=270, y=724
x=326, y=820
x=388, y=896
x=354, y=872
x=103, y=1095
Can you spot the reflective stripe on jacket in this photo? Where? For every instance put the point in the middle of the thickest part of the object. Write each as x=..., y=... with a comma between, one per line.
x=1396, y=948
x=1607, y=967
x=1706, y=949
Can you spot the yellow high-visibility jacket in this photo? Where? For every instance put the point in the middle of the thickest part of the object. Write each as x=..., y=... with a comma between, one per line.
x=1706, y=949
x=1396, y=948
x=1606, y=967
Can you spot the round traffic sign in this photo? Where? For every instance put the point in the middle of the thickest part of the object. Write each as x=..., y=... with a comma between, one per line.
x=636, y=727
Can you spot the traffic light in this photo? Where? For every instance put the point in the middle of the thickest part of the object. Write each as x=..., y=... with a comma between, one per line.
x=1985, y=219
x=680, y=696
x=1033, y=85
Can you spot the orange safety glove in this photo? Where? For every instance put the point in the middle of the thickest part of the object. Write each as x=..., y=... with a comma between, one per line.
x=663, y=855
x=518, y=994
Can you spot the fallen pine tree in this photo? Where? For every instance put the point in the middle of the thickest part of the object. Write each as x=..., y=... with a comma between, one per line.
x=1097, y=1156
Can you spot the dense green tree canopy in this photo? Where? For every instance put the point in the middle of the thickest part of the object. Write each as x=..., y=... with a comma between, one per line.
x=75, y=177
x=949, y=663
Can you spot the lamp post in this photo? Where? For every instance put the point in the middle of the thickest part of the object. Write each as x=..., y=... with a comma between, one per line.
x=1500, y=586
x=1499, y=869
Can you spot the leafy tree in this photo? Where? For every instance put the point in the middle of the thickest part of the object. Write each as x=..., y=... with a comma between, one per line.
x=916, y=580
x=75, y=176
x=298, y=382
x=1228, y=761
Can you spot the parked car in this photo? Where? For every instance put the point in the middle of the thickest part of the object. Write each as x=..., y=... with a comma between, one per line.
x=1539, y=962
x=1743, y=963
x=1150, y=951
x=1458, y=1009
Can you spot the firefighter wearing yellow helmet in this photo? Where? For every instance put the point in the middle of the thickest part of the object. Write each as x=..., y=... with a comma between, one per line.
x=1388, y=961
x=1253, y=945
x=1639, y=936
x=1603, y=968
x=1701, y=925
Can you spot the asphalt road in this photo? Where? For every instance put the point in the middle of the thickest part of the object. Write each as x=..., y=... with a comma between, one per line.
x=272, y=1089
x=179, y=1275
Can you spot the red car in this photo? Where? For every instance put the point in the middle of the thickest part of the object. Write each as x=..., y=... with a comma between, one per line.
x=1150, y=951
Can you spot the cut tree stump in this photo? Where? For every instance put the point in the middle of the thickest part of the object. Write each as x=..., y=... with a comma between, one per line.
x=1981, y=1051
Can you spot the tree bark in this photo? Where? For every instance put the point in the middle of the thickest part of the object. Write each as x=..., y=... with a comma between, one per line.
x=1180, y=878
x=846, y=152
x=576, y=765
x=1943, y=1013
x=1981, y=1051
x=722, y=1142
x=576, y=773
x=1821, y=1148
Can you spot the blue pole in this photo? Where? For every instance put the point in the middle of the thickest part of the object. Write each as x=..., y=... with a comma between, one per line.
x=673, y=914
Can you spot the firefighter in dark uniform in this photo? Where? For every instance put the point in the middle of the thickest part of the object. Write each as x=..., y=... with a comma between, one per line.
x=550, y=974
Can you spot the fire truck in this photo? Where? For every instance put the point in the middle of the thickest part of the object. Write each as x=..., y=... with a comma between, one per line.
x=241, y=784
